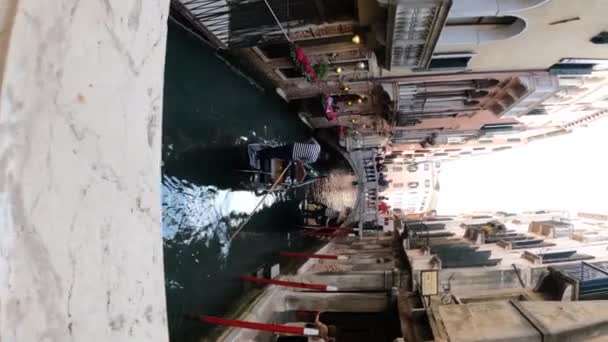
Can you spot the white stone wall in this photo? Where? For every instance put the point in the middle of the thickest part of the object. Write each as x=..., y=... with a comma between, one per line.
x=80, y=138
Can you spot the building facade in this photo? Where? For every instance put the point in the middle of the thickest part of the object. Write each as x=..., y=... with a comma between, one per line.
x=485, y=276
x=441, y=78
x=413, y=186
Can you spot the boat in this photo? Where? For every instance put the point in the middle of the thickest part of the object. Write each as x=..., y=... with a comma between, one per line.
x=263, y=174
x=315, y=215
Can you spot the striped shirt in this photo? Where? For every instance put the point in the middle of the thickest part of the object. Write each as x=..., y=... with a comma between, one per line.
x=307, y=153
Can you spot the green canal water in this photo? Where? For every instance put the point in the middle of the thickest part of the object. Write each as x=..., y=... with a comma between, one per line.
x=210, y=112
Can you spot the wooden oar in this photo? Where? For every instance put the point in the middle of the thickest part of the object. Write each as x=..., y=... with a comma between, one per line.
x=259, y=203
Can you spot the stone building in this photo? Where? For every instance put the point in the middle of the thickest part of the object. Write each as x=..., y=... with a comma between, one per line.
x=552, y=38
x=476, y=277
x=520, y=108
x=438, y=79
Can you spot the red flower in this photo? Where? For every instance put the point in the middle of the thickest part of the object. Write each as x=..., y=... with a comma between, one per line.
x=300, y=54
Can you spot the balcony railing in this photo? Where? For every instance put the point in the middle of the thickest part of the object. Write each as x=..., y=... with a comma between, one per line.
x=413, y=28
x=244, y=23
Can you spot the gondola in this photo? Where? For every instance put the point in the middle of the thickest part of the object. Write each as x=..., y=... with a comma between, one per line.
x=264, y=173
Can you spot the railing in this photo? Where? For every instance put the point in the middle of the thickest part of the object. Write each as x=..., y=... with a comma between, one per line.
x=413, y=29
x=592, y=280
x=245, y=23
x=210, y=17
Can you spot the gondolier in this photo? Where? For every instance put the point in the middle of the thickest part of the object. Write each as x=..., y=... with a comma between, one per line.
x=307, y=152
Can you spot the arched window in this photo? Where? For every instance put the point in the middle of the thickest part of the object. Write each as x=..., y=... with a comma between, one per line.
x=469, y=8
x=480, y=30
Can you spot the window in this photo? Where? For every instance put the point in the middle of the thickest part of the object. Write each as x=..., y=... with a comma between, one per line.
x=600, y=38
x=465, y=153
x=290, y=73
x=397, y=169
x=452, y=150
x=412, y=185
x=497, y=127
x=502, y=148
x=412, y=168
x=456, y=140
x=479, y=148
x=440, y=154
x=537, y=111
x=571, y=69
x=450, y=61
x=486, y=141
x=437, y=164
x=598, y=63
x=480, y=30
x=427, y=183
x=467, y=21
x=513, y=140
x=398, y=185
x=426, y=166
x=275, y=50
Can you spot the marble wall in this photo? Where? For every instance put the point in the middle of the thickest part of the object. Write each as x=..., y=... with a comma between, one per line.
x=80, y=138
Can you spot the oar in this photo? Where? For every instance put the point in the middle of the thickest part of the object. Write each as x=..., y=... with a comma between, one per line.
x=259, y=203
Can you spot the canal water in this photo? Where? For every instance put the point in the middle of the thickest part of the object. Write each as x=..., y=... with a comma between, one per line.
x=210, y=113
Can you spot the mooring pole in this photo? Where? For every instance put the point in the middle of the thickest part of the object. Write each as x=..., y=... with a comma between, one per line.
x=319, y=287
x=276, y=328
x=314, y=256
x=330, y=234
x=313, y=228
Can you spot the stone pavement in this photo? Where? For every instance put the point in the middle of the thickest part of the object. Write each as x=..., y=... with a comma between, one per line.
x=80, y=144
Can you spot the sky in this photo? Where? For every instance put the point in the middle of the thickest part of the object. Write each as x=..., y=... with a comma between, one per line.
x=568, y=172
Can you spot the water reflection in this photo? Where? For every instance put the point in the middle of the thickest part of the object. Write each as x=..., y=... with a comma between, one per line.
x=338, y=190
x=205, y=213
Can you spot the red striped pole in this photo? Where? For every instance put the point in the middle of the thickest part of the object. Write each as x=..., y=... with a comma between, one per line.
x=338, y=228
x=336, y=234
x=328, y=227
x=319, y=287
x=283, y=329
x=313, y=256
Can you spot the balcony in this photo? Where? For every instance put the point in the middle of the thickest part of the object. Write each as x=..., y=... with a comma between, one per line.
x=523, y=94
x=243, y=23
x=413, y=28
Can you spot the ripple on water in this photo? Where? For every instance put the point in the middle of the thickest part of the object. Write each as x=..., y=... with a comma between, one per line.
x=205, y=213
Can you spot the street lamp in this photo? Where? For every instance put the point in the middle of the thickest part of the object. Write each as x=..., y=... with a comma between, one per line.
x=361, y=66
x=356, y=39
x=339, y=70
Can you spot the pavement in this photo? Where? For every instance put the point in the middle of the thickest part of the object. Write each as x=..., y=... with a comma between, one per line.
x=81, y=254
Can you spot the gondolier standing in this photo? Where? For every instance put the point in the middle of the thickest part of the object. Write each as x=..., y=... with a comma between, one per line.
x=307, y=152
